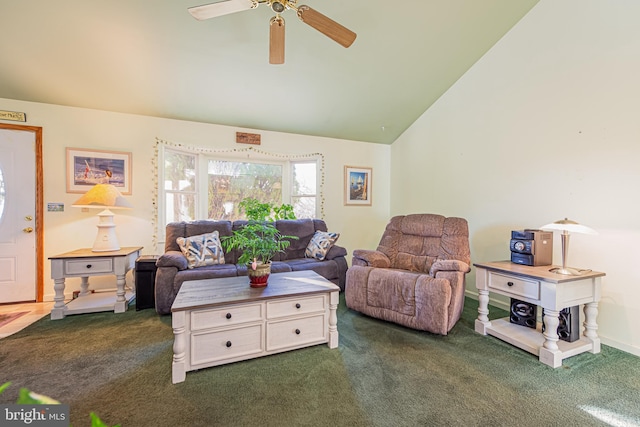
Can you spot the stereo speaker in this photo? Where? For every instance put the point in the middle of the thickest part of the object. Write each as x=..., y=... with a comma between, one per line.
x=531, y=247
x=523, y=313
x=569, y=323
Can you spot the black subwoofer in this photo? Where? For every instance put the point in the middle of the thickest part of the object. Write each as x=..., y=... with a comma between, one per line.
x=145, y=280
x=569, y=323
x=523, y=313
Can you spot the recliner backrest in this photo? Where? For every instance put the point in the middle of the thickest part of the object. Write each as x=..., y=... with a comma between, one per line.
x=414, y=242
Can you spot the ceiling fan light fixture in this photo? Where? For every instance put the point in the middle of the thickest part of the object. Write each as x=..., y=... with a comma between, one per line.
x=277, y=7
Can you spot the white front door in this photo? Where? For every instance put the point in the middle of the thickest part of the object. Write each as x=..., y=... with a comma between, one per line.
x=17, y=216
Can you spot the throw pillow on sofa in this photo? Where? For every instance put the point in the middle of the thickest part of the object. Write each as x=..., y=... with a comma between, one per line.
x=320, y=244
x=201, y=250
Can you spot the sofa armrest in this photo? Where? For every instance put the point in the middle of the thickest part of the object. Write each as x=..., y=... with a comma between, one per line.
x=449, y=265
x=335, y=252
x=173, y=259
x=369, y=258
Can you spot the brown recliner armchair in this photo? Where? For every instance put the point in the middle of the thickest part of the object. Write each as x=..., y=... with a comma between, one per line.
x=416, y=277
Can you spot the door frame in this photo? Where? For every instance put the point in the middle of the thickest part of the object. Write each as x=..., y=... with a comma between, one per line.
x=39, y=208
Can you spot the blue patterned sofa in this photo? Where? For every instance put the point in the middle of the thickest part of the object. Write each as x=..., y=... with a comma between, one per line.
x=173, y=266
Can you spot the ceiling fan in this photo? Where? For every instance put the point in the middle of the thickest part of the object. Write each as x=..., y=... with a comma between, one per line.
x=309, y=16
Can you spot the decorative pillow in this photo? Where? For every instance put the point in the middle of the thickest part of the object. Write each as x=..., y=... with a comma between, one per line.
x=201, y=250
x=320, y=244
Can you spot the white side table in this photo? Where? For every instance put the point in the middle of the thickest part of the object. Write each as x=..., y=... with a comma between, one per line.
x=553, y=292
x=84, y=263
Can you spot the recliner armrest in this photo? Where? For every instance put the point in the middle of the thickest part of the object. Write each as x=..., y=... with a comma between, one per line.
x=173, y=259
x=335, y=252
x=449, y=265
x=369, y=258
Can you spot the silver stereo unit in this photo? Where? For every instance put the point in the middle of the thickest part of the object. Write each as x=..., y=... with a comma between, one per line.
x=531, y=247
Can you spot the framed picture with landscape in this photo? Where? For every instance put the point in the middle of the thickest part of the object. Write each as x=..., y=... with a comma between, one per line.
x=357, y=186
x=86, y=168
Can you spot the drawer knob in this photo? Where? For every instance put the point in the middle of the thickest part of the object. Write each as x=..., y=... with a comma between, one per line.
x=228, y=316
x=510, y=283
x=297, y=331
x=298, y=305
x=89, y=265
x=228, y=343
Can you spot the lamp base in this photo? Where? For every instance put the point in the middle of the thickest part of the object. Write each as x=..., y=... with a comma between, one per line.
x=106, y=240
x=569, y=271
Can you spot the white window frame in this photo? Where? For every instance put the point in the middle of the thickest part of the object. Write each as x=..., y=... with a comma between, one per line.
x=202, y=159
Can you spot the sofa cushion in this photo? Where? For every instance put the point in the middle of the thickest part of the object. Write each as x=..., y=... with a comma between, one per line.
x=320, y=244
x=304, y=229
x=327, y=269
x=202, y=249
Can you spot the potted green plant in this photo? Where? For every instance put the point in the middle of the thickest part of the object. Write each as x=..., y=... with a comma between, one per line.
x=259, y=240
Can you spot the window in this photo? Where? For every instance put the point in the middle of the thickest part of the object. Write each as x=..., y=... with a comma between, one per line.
x=180, y=195
x=211, y=185
x=304, y=186
x=231, y=181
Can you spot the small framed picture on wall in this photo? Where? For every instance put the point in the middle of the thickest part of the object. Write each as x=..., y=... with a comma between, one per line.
x=357, y=186
x=86, y=168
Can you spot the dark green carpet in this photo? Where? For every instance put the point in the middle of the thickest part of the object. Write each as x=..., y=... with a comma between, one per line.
x=119, y=366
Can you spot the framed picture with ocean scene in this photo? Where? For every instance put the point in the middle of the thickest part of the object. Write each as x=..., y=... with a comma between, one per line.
x=86, y=168
x=357, y=186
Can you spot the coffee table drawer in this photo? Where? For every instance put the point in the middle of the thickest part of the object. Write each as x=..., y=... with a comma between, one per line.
x=296, y=332
x=229, y=316
x=295, y=306
x=207, y=347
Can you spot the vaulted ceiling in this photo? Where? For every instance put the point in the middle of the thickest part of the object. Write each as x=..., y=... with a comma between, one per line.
x=151, y=57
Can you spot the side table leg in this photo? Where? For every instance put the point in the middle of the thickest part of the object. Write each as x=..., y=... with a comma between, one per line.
x=121, y=301
x=549, y=352
x=482, y=322
x=178, y=368
x=333, y=320
x=84, y=286
x=591, y=325
x=59, y=308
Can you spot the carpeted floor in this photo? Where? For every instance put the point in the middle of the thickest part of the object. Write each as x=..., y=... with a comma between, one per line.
x=119, y=366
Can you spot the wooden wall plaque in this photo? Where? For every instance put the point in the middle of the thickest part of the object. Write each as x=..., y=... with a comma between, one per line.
x=13, y=116
x=248, y=138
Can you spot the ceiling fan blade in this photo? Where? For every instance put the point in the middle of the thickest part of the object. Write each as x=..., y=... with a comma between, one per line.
x=276, y=40
x=326, y=26
x=226, y=7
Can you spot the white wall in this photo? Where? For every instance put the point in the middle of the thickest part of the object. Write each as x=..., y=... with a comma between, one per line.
x=84, y=128
x=545, y=126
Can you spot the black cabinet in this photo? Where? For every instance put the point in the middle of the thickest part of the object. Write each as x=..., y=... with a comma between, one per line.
x=145, y=281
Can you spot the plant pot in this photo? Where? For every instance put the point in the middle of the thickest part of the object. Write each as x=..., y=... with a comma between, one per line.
x=258, y=277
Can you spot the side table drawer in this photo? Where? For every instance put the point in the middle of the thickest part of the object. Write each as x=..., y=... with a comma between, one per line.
x=214, y=346
x=296, y=306
x=89, y=266
x=512, y=285
x=228, y=316
x=296, y=333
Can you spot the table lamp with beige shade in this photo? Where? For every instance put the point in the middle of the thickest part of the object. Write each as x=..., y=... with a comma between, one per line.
x=108, y=197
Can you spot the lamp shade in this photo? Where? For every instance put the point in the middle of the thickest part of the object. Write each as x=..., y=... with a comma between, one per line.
x=103, y=196
x=570, y=226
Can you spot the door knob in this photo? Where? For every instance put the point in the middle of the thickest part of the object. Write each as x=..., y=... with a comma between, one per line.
x=28, y=230
x=28, y=218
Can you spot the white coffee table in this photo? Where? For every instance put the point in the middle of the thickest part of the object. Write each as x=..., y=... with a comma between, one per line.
x=218, y=321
